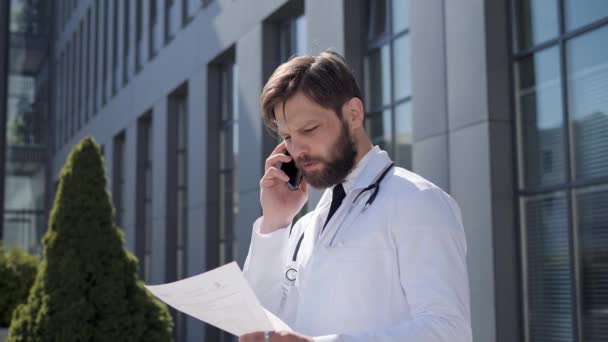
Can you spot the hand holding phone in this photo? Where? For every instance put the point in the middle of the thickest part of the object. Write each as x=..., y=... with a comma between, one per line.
x=292, y=171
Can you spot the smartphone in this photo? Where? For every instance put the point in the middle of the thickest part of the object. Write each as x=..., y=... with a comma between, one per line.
x=294, y=174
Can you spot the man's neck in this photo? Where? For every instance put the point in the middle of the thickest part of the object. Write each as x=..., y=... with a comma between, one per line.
x=362, y=151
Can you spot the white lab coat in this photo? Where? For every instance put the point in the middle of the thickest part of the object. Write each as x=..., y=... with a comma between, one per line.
x=394, y=272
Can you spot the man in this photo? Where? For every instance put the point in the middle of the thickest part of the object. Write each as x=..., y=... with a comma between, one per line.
x=382, y=256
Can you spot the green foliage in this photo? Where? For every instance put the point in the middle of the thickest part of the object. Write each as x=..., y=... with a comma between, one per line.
x=17, y=273
x=87, y=288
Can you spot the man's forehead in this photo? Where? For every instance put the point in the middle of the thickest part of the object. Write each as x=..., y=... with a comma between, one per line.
x=298, y=108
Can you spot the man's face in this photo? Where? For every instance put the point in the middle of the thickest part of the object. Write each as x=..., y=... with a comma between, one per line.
x=319, y=141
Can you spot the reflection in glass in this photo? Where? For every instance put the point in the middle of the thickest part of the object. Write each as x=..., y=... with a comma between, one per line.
x=579, y=13
x=403, y=135
x=540, y=115
x=377, y=19
x=379, y=128
x=548, y=267
x=592, y=209
x=402, y=67
x=378, y=78
x=588, y=99
x=536, y=22
x=400, y=13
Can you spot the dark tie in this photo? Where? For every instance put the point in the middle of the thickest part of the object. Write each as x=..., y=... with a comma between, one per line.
x=338, y=195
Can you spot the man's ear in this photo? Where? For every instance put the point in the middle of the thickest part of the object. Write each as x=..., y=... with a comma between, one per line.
x=354, y=112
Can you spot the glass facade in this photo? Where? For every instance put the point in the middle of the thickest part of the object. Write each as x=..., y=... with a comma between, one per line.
x=144, y=215
x=561, y=92
x=387, y=88
x=228, y=152
x=27, y=116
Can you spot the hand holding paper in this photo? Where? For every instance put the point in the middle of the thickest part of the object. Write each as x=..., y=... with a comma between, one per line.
x=220, y=297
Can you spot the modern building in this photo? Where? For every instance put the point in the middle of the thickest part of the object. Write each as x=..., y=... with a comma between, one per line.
x=503, y=103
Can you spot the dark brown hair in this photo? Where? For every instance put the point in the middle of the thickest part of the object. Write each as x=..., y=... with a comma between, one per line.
x=325, y=79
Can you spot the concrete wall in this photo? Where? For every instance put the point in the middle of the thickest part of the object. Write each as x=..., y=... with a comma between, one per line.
x=463, y=142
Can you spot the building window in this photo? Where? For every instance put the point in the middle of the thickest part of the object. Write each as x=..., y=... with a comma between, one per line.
x=152, y=29
x=186, y=18
x=126, y=29
x=87, y=77
x=169, y=20
x=73, y=85
x=177, y=192
x=223, y=159
x=80, y=76
x=62, y=89
x=115, y=26
x=104, y=72
x=388, y=118
x=139, y=33
x=118, y=178
x=96, y=57
x=561, y=86
x=144, y=210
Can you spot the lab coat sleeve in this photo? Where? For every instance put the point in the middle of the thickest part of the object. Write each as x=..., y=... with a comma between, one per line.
x=263, y=267
x=431, y=251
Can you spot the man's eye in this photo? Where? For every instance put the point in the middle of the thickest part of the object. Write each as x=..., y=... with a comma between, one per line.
x=310, y=130
x=287, y=137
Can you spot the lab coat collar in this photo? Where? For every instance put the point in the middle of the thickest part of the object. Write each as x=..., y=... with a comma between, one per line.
x=366, y=171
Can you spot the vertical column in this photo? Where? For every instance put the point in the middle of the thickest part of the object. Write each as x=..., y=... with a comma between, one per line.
x=130, y=187
x=159, y=186
x=481, y=168
x=249, y=66
x=429, y=101
x=197, y=185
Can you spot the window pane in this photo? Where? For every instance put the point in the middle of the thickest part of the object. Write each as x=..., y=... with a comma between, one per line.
x=549, y=271
x=540, y=114
x=226, y=149
x=537, y=21
x=377, y=19
x=378, y=126
x=378, y=78
x=402, y=68
x=401, y=15
x=593, y=242
x=579, y=13
x=403, y=135
x=300, y=34
x=181, y=169
x=588, y=98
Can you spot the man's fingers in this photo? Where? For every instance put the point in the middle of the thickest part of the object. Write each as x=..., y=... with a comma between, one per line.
x=274, y=173
x=255, y=337
x=274, y=159
x=279, y=149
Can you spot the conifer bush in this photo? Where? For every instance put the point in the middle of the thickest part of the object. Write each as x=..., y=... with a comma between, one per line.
x=87, y=287
x=17, y=273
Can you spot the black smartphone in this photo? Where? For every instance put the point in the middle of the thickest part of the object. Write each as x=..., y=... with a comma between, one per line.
x=294, y=174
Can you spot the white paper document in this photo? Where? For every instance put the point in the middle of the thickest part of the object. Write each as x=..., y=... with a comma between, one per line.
x=220, y=297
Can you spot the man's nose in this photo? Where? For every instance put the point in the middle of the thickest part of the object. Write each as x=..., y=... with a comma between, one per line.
x=298, y=149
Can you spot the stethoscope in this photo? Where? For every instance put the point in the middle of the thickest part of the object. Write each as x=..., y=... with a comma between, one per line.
x=291, y=273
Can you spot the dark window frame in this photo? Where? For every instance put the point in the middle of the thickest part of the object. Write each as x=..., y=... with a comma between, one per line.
x=569, y=186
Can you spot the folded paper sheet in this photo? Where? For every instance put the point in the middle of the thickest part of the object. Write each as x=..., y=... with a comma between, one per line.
x=220, y=297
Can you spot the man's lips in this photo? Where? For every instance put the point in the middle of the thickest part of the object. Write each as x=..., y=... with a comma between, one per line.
x=309, y=166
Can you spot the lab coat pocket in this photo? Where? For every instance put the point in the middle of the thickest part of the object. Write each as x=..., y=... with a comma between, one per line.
x=362, y=274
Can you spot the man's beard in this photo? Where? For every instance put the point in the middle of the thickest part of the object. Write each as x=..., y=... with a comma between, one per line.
x=334, y=171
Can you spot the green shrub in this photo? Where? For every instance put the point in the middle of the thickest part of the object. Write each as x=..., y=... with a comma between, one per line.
x=86, y=288
x=17, y=273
